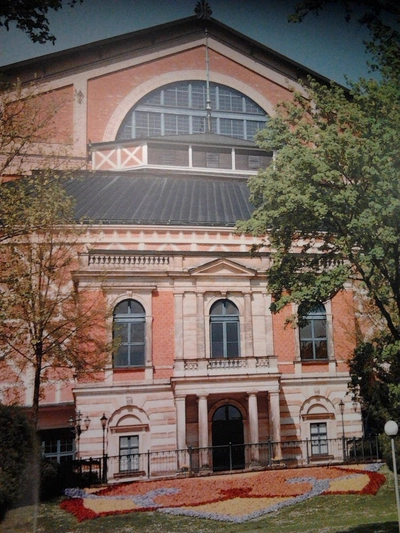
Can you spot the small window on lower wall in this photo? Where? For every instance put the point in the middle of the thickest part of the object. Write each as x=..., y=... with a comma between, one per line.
x=129, y=454
x=313, y=334
x=319, y=438
x=58, y=444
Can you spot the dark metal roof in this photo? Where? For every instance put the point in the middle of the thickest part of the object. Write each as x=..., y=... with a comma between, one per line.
x=132, y=198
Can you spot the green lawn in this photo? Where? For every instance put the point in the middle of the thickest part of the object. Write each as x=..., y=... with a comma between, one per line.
x=323, y=514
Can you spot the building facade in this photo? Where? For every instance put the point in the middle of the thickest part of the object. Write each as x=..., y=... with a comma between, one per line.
x=162, y=123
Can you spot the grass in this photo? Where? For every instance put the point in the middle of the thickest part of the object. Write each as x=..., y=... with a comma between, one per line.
x=322, y=514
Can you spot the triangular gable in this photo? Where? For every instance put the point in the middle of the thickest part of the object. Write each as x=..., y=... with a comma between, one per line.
x=123, y=50
x=222, y=267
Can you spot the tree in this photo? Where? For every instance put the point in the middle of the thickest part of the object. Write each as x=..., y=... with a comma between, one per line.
x=28, y=138
x=366, y=10
x=49, y=328
x=330, y=202
x=28, y=128
x=30, y=16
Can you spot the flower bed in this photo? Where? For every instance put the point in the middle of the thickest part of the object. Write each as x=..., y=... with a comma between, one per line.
x=232, y=497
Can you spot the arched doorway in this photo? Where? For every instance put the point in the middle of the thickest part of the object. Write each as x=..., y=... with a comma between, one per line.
x=228, y=439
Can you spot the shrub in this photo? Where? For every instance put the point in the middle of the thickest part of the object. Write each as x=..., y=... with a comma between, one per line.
x=386, y=451
x=17, y=453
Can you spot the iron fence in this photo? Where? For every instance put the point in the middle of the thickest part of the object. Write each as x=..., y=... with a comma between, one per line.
x=230, y=457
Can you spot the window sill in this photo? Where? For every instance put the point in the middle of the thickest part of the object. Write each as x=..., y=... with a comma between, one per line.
x=322, y=457
x=315, y=361
x=130, y=473
x=128, y=368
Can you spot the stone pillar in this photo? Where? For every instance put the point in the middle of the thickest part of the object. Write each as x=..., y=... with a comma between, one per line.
x=203, y=432
x=180, y=405
x=178, y=309
x=80, y=117
x=248, y=327
x=183, y=456
x=275, y=424
x=253, y=429
x=148, y=348
x=201, y=343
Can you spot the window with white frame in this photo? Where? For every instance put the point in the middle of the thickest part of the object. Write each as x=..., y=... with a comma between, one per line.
x=129, y=320
x=313, y=334
x=129, y=453
x=180, y=109
x=224, y=330
x=319, y=438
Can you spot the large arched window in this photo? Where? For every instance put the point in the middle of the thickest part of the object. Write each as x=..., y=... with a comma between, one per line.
x=224, y=329
x=180, y=109
x=129, y=334
x=313, y=336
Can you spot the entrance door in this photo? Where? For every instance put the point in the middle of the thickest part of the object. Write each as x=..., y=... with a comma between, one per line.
x=227, y=439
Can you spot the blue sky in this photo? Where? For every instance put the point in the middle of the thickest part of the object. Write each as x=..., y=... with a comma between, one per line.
x=324, y=43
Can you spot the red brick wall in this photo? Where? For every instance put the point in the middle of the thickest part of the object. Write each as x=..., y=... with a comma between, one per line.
x=163, y=334
x=344, y=328
x=107, y=92
x=60, y=104
x=284, y=340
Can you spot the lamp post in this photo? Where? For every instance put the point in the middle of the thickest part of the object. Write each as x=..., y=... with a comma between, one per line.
x=103, y=421
x=391, y=430
x=77, y=426
x=341, y=407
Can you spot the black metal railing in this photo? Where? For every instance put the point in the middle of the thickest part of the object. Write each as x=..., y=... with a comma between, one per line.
x=226, y=458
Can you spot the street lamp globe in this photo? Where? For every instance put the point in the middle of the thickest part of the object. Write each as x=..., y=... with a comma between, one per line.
x=391, y=428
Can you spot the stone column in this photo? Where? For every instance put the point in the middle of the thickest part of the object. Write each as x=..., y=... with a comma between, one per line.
x=180, y=407
x=201, y=343
x=148, y=348
x=178, y=309
x=275, y=424
x=203, y=432
x=253, y=428
x=80, y=117
x=248, y=327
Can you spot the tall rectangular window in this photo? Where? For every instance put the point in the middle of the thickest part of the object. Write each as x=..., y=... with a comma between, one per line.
x=313, y=336
x=319, y=438
x=129, y=453
x=224, y=330
x=129, y=334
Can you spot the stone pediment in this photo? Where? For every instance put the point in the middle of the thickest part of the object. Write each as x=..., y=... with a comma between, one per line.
x=223, y=267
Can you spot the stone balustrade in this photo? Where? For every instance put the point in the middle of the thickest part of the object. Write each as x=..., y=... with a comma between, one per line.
x=217, y=367
x=116, y=260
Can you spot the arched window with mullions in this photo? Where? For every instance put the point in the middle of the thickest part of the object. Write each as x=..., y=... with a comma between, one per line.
x=224, y=330
x=129, y=321
x=180, y=109
x=313, y=334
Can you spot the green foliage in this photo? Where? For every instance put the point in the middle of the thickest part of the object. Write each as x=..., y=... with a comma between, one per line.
x=385, y=447
x=44, y=322
x=30, y=16
x=22, y=204
x=329, y=206
x=330, y=202
x=375, y=381
x=366, y=10
x=17, y=448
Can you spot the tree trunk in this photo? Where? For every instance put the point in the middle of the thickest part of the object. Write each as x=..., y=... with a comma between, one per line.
x=36, y=387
